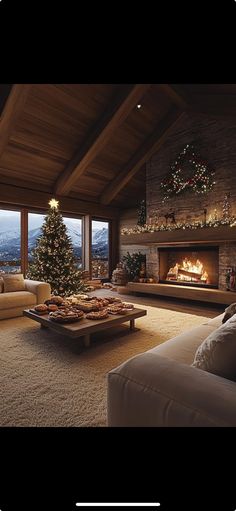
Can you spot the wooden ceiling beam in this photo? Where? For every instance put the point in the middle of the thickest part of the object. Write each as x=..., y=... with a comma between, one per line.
x=23, y=197
x=99, y=137
x=144, y=153
x=177, y=96
x=208, y=104
x=13, y=108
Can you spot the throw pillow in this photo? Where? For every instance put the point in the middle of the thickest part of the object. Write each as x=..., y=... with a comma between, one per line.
x=1, y=285
x=229, y=312
x=13, y=282
x=217, y=353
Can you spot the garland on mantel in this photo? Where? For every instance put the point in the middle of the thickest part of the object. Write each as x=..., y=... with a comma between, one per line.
x=173, y=227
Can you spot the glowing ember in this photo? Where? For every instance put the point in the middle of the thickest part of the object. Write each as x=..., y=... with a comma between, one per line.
x=188, y=271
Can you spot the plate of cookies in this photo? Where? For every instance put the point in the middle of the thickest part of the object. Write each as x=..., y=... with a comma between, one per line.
x=66, y=316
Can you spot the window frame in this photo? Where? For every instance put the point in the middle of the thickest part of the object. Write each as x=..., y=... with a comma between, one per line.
x=18, y=209
x=109, y=222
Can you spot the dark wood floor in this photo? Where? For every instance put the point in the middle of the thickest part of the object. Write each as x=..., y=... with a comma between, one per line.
x=189, y=307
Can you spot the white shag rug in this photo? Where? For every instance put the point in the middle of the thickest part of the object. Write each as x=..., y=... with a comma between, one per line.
x=49, y=380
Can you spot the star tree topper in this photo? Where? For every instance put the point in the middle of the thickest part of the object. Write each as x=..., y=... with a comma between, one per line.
x=53, y=203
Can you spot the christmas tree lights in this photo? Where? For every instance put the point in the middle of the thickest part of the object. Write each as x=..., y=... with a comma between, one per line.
x=53, y=256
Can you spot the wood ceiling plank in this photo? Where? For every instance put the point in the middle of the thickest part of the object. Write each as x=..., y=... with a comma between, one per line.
x=111, y=119
x=150, y=146
x=177, y=97
x=13, y=108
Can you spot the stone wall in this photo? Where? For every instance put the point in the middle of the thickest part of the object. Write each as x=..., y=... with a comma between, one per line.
x=215, y=140
x=227, y=259
x=128, y=219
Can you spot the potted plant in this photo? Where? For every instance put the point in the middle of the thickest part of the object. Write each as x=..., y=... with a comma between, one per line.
x=134, y=263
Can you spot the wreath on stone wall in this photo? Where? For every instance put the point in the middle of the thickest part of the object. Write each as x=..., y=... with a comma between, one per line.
x=189, y=173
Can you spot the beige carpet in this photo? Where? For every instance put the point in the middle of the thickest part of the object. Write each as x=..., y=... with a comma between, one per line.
x=48, y=380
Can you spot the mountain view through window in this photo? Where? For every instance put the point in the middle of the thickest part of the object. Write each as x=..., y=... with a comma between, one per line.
x=10, y=241
x=100, y=249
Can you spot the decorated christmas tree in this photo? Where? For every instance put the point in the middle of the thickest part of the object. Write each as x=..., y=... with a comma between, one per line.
x=53, y=256
x=142, y=213
x=226, y=208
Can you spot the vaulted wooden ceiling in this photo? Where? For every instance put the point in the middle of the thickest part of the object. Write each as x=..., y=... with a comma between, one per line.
x=90, y=141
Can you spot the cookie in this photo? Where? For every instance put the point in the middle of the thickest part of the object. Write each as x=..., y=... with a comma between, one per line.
x=41, y=307
x=98, y=315
x=52, y=307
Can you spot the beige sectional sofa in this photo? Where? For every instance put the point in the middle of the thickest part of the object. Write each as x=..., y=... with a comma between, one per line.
x=13, y=303
x=161, y=388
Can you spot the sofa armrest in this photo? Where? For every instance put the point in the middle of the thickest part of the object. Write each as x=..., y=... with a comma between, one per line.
x=42, y=290
x=150, y=390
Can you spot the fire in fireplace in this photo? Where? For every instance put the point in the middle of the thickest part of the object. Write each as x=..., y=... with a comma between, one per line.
x=188, y=271
x=194, y=266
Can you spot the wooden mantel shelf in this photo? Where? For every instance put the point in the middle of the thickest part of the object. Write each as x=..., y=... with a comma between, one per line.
x=200, y=235
x=186, y=292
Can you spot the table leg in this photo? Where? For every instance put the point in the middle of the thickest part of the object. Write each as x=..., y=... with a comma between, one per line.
x=86, y=340
x=132, y=324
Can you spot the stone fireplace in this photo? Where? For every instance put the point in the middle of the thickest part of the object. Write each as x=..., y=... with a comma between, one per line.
x=189, y=266
x=216, y=259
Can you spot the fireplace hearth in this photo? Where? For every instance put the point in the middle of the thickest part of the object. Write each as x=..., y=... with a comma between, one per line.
x=189, y=266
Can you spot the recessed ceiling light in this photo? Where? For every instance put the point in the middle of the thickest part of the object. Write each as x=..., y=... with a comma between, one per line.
x=139, y=106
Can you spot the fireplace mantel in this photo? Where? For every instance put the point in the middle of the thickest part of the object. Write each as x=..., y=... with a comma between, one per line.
x=188, y=293
x=223, y=234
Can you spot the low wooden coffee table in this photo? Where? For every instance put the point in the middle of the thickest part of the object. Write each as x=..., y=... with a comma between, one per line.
x=85, y=327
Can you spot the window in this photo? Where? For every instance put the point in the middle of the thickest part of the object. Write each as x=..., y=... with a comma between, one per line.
x=10, y=241
x=35, y=222
x=100, y=249
x=74, y=230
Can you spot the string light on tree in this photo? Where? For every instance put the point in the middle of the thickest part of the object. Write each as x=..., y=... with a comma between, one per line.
x=142, y=213
x=226, y=208
x=53, y=256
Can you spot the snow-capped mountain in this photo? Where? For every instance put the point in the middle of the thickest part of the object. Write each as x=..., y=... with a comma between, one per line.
x=5, y=236
x=75, y=235
x=10, y=241
x=99, y=236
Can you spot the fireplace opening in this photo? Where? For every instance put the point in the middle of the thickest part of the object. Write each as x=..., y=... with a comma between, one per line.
x=189, y=266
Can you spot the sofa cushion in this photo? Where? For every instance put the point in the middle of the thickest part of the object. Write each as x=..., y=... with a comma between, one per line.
x=13, y=283
x=229, y=312
x=217, y=354
x=182, y=348
x=17, y=299
x=1, y=285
